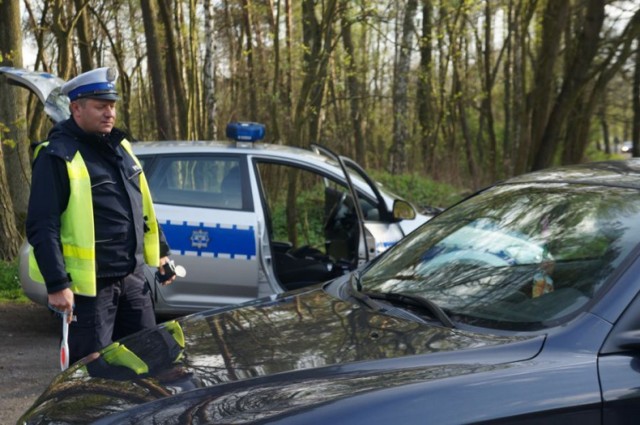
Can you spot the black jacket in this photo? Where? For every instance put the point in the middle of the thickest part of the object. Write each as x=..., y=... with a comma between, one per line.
x=117, y=203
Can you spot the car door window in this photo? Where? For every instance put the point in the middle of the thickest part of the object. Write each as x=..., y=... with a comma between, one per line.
x=313, y=227
x=204, y=181
x=300, y=222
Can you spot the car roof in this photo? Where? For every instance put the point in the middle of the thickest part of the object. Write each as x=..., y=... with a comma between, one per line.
x=264, y=150
x=258, y=148
x=624, y=173
x=153, y=147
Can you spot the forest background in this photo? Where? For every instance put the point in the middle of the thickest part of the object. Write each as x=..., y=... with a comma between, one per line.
x=455, y=91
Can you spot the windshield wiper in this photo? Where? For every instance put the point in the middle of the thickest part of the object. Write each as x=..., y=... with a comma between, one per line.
x=355, y=290
x=415, y=301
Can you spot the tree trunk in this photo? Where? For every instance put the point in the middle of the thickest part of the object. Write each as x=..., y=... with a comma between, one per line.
x=173, y=67
x=62, y=28
x=15, y=168
x=84, y=36
x=520, y=134
x=606, y=144
x=424, y=101
x=508, y=140
x=317, y=51
x=195, y=102
x=540, y=97
x=165, y=129
x=321, y=63
x=138, y=95
x=277, y=88
x=464, y=126
x=398, y=157
x=578, y=75
x=292, y=209
x=354, y=90
x=576, y=138
x=9, y=236
x=288, y=79
x=487, y=101
x=248, y=53
x=209, y=72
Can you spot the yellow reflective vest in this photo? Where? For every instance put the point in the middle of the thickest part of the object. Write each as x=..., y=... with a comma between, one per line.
x=77, y=233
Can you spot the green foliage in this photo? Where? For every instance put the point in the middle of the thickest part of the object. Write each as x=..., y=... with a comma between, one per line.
x=594, y=154
x=310, y=209
x=420, y=191
x=10, y=289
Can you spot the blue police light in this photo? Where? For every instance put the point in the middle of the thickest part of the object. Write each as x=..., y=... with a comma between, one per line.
x=245, y=131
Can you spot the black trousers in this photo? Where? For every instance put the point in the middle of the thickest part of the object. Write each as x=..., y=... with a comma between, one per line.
x=122, y=306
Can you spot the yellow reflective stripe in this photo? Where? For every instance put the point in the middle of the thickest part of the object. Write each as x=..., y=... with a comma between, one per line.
x=175, y=330
x=34, y=270
x=77, y=230
x=78, y=252
x=151, y=237
x=119, y=355
x=37, y=149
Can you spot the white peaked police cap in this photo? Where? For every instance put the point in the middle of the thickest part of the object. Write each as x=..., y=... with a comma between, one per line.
x=95, y=84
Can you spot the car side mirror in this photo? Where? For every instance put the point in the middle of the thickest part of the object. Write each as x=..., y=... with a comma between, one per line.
x=402, y=210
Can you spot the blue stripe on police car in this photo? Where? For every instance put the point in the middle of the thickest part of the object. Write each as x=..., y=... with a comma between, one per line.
x=217, y=240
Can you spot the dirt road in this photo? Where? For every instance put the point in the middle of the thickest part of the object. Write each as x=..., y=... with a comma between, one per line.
x=29, y=344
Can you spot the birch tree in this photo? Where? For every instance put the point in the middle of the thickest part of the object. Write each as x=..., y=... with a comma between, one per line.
x=209, y=72
x=398, y=154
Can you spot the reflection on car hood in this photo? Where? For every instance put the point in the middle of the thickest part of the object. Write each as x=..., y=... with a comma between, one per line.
x=270, y=358
x=618, y=173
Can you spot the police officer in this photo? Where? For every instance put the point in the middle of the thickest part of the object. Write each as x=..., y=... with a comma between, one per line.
x=91, y=222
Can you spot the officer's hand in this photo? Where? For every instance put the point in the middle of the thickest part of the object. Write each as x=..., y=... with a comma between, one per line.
x=163, y=261
x=62, y=301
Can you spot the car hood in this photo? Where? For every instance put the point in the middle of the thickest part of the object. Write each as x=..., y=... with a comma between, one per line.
x=268, y=358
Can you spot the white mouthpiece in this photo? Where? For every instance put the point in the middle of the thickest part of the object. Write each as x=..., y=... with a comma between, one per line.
x=181, y=271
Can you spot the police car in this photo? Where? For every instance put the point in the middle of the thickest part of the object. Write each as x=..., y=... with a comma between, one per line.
x=248, y=219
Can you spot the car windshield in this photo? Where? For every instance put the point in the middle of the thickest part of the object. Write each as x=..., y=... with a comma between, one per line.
x=516, y=257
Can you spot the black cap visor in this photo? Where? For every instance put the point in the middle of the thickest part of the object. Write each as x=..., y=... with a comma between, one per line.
x=101, y=95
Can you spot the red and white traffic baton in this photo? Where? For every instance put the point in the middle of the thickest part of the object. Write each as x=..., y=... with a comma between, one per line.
x=64, y=345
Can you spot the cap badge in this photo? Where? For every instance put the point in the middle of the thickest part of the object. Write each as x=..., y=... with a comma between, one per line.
x=112, y=74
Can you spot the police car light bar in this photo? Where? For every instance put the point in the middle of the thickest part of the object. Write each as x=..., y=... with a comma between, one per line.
x=245, y=131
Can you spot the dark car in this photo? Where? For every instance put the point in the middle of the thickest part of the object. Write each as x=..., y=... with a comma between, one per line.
x=517, y=305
